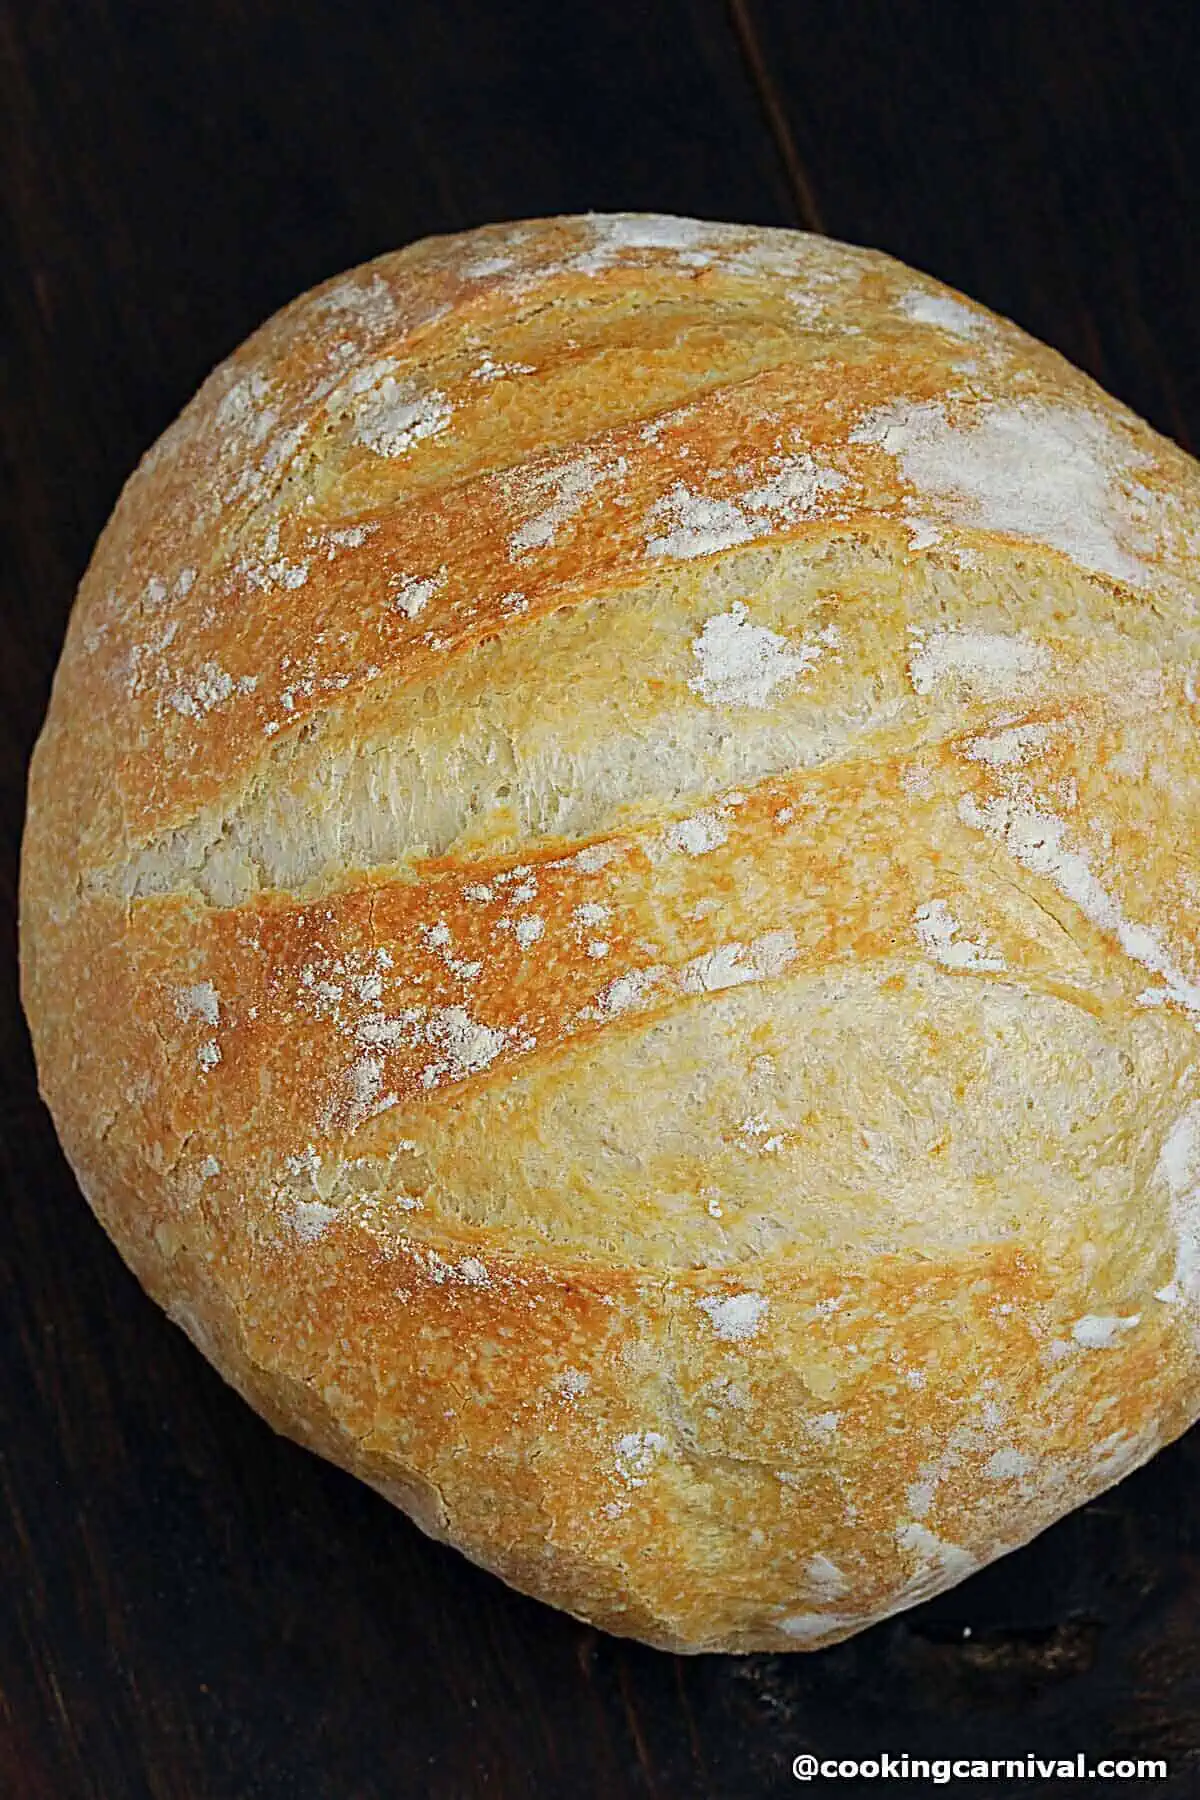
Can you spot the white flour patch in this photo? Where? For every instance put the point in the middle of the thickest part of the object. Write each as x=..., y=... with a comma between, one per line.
x=394, y=416
x=470, y=1272
x=1007, y=1465
x=590, y=914
x=566, y=487
x=1037, y=841
x=735, y=1317
x=371, y=305
x=277, y=454
x=733, y=964
x=211, y=686
x=243, y=406
x=486, y=266
x=741, y=664
x=209, y=1055
x=1057, y=475
x=938, y=1563
x=698, y=526
x=267, y=569
x=825, y=1577
x=696, y=836
x=473, y=1272
x=1007, y=749
x=307, y=1162
x=1100, y=1331
x=363, y=1082
x=624, y=993
x=199, y=1002
x=938, y=931
x=653, y=231
x=686, y=524
x=989, y=664
x=637, y=1453
x=755, y=1135
x=943, y=312
x=795, y=491
x=411, y=594
x=796, y=256
x=805, y=1628
x=488, y=370
x=821, y=1426
x=350, y=537
x=310, y=1218
x=691, y=240
x=920, y=1496
x=1178, y=1167
x=1116, y=1455
x=439, y=938
x=810, y=309
x=594, y=857
x=466, y=1045
x=572, y=1382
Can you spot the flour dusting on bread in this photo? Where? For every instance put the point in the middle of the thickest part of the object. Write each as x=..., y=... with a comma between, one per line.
x=743, y=665
x=1056, y=474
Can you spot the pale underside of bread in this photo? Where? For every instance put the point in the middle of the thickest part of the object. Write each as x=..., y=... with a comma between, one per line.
x=609, y=922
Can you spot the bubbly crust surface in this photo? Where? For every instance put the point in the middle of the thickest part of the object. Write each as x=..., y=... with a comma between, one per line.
x=609, y=920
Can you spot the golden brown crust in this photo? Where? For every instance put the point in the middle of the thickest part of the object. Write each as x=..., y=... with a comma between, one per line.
x=608, y=921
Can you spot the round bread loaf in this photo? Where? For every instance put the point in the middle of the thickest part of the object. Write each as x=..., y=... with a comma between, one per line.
x=608, y=918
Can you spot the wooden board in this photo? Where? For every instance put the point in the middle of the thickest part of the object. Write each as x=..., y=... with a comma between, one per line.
x=191, y=1607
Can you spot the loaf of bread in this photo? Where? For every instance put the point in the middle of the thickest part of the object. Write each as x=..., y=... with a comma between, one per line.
x=608, y=919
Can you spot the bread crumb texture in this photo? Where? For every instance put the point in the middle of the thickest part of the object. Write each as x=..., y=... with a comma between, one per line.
x=608, y=922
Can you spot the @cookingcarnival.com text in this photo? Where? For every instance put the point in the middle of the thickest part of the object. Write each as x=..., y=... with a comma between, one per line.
x=943, y=1769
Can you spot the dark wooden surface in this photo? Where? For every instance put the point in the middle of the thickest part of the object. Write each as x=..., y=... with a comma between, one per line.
x=191, y=1607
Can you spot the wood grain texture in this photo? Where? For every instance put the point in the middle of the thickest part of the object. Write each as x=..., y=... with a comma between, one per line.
x=197, y=1609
